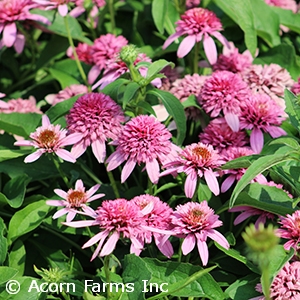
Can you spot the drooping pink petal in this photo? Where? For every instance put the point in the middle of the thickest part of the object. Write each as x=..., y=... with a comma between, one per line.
x=203, y=251
x=275, y=131
x=63, y=9
x=186, y=45
x=71, y=139
x=77, y=11
x=19, y=43
x=80, y=224
x=227, y=183
x=45, y=121
x=56, y=202
x=221, y=38
x=256, y=140
x=34, y=156
x=218, y=237
x=60, y=213
x=114, y=161
x=165, y=248
x=171, y=39
x=92, y=190
x=190, y=185
x=232, y=121
x=93, y=74
x=127, y=169
x=188, y=244
x=71, y=215
x=210, y=49
x=99, y=150
x=9, y=34
x=152, y=168
x=110, y=244
x=65, y=155
x=212, y=181
x=78, y=149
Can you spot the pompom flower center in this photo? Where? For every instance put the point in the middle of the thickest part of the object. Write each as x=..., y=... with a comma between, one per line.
x=196, y=216
x=76, y=198
x=48, y=138
x=201, y=152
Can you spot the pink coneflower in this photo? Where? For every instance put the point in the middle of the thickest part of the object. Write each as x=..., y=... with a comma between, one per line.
x=188, y=85
x=261, y=114
x=290, y=230
x=11, y=12
x=220, y=135
x=74, y=200
x=286, y=284
x=157, y=214
x=20, y=105
x=81, y=7
x=60, y=5
x=84, y=53
x=50, y=138
x=192, y=3
x=143, y=140
x=171, y=75
x=116, y=219
x=104, y=49
x=232, y=153
x=98, y=118
x=196, y=161
x=268, y=79
x=196, y=222
x=66, y=93
x=233, y=61
x=224, y=92
x=285, y=4
x=296, y=87
x=248, y=211
x=197, y=24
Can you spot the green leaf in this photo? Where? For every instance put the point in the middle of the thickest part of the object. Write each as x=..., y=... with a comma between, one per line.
x=63, y=78
x=112, y=89
x=156, y=67
x=135, y=271
x=171, y=272
x=266, y=22
x=165, y=187
x=14, y=190
x=7, y=154
x=130, y=91
x=147, y=107
x=267, y=198
x=17, y=257
x=241, y=12
x=27, y=219
x=191, y=101
x=58, y=25
x=159, y=13
x=171, y=17
x=257, y=167
x=240, y=162
x=3, y=242
x=20, y=124
x=292, y=108
x=7, y=273
x=61, y=109
x=175, y=109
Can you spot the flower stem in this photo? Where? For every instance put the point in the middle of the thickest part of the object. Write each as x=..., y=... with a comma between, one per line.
x=196, y=58
x=265, y=282
x=89, y=172
x=113, y=184
x=107, y=274
x=112, y=16
x=79, y=66
x=60, y=171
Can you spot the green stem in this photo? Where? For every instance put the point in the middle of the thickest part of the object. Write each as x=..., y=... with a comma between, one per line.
x=113, y=184
x=265, y=282
x=65, y=296
x=107, y=274
x=60, y=171
x=89, y=172
x=150, y=187
x=196, y=58
x=112, y=16
x=79, y=66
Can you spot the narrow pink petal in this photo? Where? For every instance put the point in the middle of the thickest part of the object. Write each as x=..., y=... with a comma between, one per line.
x=23, y=143
x=186, y=45
x=71, y=139
x=99, y=150
x=221, y=38
x=78, y=149
x=92, y=190
x=60, y=213
x=114, y=161
x=56, y=202
x=9, y=34
x=165, y=248
x=97, y=237
x=76, y=12
x=242, y=217
x=134, y=250
x=127, y=169
x=71, y=215
x=34, y=156
x=148, y=208
x=65, y=155
x=171, y=39
x=63, y=9
x=210, y=49
x=95, y=197
x=45, y=121
x=138, y=243
x=79, y=224
x=227, y=183
x=19, y=43
x=61, y=193
x=188, y=244
x=275, y=131
x=218, y=237
x=93, y=74
x=203, y=251
x=38, y=18
x=233, y=121
x=152, y=168
x=256, y=140
x=190, y=185
x=110, y=245
x=212, y=182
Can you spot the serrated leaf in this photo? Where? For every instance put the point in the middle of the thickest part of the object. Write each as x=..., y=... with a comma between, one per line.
x=257, y=167
x=159, y=12
x=175, y=109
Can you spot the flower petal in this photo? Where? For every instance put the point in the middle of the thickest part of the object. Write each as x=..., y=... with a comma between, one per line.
x=186, y=45
x=114, y=160
x=19, y=43
x=256, y=140
x=233, y=121
x=203, y=251
x=171, y=39
x=9, y=34
x=65, y=155
x=210, y=49
x=190, y=185
x=227, y=183
x=212, y=182
x=127, y=169
x=218, y=237
x=152, y=168
x=63, y=9
x=34, y=156
x=99, y=150
x=188, y=244
x=110, y=245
